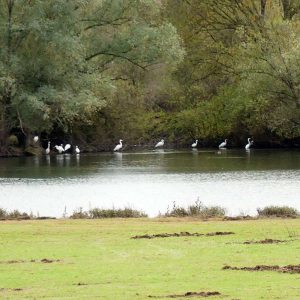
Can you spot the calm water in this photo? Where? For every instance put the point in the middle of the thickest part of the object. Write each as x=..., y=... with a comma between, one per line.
x=238, y=180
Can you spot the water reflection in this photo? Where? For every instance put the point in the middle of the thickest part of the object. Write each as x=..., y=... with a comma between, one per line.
x=48, y=160
x=60, y=160
x=77, y=160
x=159, y=161
x=36, y=161
x=161, y=151
x=67, y=159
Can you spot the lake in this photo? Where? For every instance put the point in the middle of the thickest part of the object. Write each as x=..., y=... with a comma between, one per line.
x=151, y=181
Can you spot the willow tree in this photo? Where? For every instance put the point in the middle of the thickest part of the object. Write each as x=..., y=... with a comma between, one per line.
x=242, y=58
x=59, y=59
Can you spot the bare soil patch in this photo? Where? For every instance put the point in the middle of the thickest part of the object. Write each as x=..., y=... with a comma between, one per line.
x=291, y=269
x=80, y=283
x=49, y=261
x=266, y=241
x=189, y=295
x=44, y=260
x=14, y=290
x=181, y=234
x=239, y=218
x=12, y=262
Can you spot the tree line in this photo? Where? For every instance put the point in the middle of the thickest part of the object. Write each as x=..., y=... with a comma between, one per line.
x=94, y=71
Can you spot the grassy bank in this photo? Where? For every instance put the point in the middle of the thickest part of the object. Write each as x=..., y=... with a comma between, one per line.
x=91, y=259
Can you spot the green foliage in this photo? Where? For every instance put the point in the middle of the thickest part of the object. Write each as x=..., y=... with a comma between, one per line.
x=240, y=73
x=143, y=70
x=60, y=59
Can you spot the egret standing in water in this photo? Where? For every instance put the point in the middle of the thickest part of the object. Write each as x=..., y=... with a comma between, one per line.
x=194, y=145
x=67, y=147
x=60, y=148
x=223, y=145
x=48, y=148
x=160, y=144
x=119, y=146
x=250, y=143
x=77, y=150
x=35, y=139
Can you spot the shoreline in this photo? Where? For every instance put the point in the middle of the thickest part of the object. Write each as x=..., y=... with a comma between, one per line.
x=40, y=151
x=196, y=211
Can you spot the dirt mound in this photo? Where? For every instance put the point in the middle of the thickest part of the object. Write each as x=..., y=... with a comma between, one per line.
x=14, y=290
x=292, y=269
x=265, y=241
x=239, y=218
x=181, y=234
x=12, y=262
x=49, y=261
x=189, y=295
x=44, y=260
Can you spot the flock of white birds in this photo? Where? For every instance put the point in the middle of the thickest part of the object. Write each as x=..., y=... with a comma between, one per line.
x=62, y=149
x=59, y=148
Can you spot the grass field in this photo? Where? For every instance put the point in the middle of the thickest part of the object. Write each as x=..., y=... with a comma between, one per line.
x=97, y=259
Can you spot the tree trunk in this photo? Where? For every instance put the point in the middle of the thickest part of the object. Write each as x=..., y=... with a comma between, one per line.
x=10, y=6
x=288, y=11
x=263, y=7
x=7, y=94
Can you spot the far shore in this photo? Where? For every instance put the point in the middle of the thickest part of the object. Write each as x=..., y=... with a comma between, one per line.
x=40, y=151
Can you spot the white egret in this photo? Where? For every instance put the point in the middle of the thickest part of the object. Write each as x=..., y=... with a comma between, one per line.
x=77, y=150
x=48, y=148
x=60, y=148
x=160, y=144
x=194, y=145
x=67, y=147
x=250, y=143
x=119, y=146
x=35, y=139
x=223, y=145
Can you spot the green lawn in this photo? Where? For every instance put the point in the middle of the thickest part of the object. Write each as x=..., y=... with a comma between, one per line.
x=100, y=255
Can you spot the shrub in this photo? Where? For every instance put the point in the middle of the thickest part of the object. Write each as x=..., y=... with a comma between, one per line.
x=196, y=210
x=278, y=211
x=80, y=214
x=100, y=213
x=3, y=213
x=12, y=140
x=18, y=215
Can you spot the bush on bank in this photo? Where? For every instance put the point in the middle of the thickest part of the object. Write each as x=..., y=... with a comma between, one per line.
x=198, y=210
x=278, y=211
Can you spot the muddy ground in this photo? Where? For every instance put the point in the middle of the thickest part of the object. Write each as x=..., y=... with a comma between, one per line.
x=292, y=269
x=181, y=234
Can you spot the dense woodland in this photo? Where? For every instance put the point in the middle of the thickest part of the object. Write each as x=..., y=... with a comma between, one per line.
x=93, y=71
